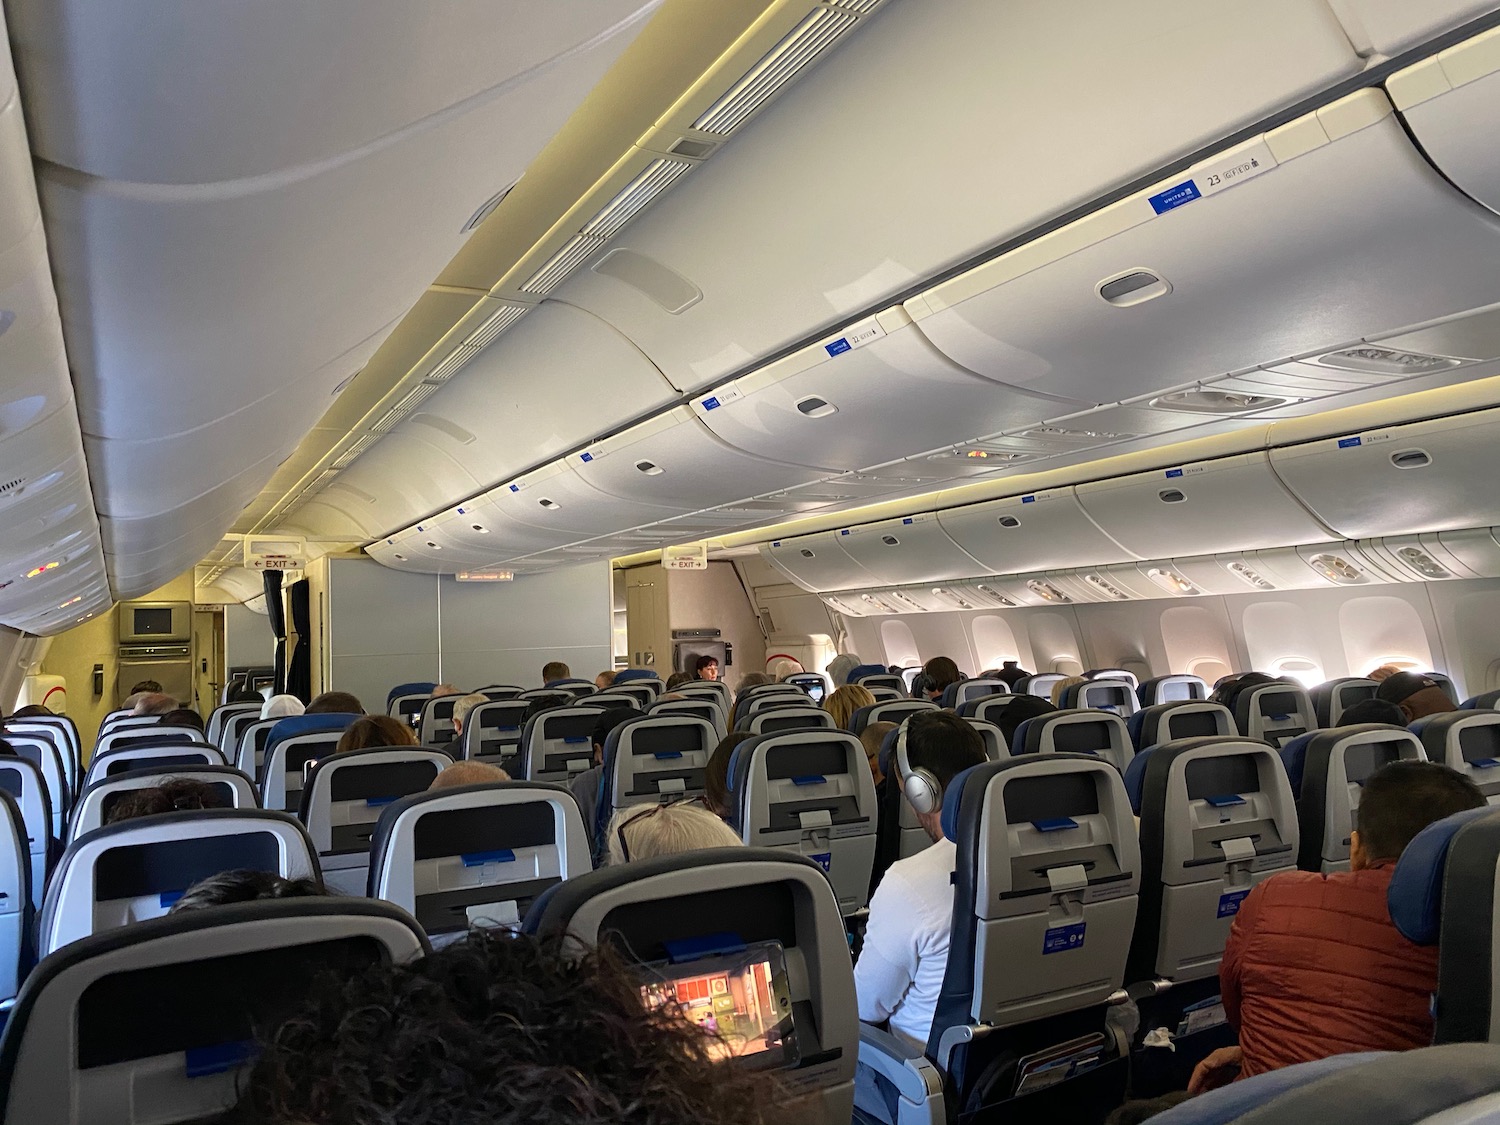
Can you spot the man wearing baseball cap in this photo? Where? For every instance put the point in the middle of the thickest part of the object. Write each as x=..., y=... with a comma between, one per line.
x=1416, y=695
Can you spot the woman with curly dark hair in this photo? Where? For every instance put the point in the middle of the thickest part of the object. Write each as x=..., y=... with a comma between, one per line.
x=498, y=1029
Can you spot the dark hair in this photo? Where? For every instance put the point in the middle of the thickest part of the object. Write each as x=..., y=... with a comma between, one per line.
x=1402, y=798
x=703, y=662
x=1372, y=711
x=7, y=750
x=334, y=703
x=536, y=705
x=943, y=743
x=555, y=670
x=498, y=1029
x=677, y=679
x=145, y=685
x=375, y=730
x=1228, y=689
x=1417, y=695
x=243, y=886
x=176, y=794
x=246, y=695
x=940, y=672
x=716, y=773
x=32, y=711
x=182, y=717
x=1016, y=712
x=608, y=720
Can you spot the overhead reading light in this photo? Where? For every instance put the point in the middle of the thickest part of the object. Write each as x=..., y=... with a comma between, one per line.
x=900, y=597
x=1065, y=433
x=71, y=601
x=43, y=569
x=1107, y=588
x=951, y=598
x=1205, y=401
x=1423, y=563
x=1172, y=582
x=1046, y=591
x=1249, y=577
x=1387, y=361
x=872, y=600
x=991, y=592
x=1336, y=569
x=975, y=453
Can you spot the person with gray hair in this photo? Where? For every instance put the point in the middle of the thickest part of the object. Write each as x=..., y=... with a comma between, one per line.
x=461, y=709
x=281, y=707
x=840, y=666
x=647, y=831
x=154, y=703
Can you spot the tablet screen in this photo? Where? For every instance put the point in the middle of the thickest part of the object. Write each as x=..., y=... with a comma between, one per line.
x=740, y=1000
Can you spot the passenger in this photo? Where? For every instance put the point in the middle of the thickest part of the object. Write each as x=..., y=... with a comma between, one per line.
x=461, y=709
x=1372, y=711
x=7, y=750
x=1063, y=685
x=281, y=707
x=444, y=689
x=677, y=679
x=782, y=667
x=1384, y=672
x=1011, y=672
x=716, y=796
x=369, y=731
x=542, y=703
x=1314, y=966
x=230, y=887
x=154, y=704
x=129, y=702
x=183, y=717
x=335, y=703
x=1416, y=695
x=839, y=668
x=648, y=831
x=845, y=701
x=177, y=794
x=555, y=670
x=1227, y=690
x=497, y=1028
x=872, y=738
x=33, y=711
x=585, y=786
x=146, y=687
x=467, y=773
x=605, y=679
x=752, y=679
x=1016, y=712
x=900, y=971
x=940, y=671
x=706, y=668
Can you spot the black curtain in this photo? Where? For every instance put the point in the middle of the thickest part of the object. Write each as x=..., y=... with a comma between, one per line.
x=276, y=614
x=299, y=664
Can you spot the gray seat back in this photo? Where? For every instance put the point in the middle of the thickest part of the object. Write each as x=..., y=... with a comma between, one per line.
x=161, y=756
x=235, y=788
x=492, y=734
x=24, y=782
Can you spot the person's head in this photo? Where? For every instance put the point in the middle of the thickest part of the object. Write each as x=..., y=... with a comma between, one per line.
x=1372, y=711
x=1383, y=673
x=146, y=687
x=32, y=711
x=647, y=831
x=230, y=887
x=706, y=668
x=1063, y=685
x=1399, y=800
x=281, y=707
x=839, y=668
x=462, y=707
x=154, y=703
x=677, y=679
x=605, y=679
x=467, y=773
x=129, y=702
x=716, y=774
x=497, y=1028
x=335, y=703
x=944, y=745
x=182, y=717
x=606, y=722
x=536, y=705
x=376, y=730
x=845, y=701
x=872, y=738
x=555, y=670
x=1227, y=690
x=444, y=689
x=1010, y=717
x=1416, y=695
x=177, y=794
x=7, y=750
x=753, y=679
x=940, y=672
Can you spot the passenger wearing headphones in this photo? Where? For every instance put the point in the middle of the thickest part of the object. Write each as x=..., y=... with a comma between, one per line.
x=900, y=971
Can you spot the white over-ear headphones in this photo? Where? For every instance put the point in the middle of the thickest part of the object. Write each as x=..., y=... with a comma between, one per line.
x=920, y=786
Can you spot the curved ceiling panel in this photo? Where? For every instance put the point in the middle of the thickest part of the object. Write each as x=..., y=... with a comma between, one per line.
x=191, y=91
x=1392, y=26
x=788, y=231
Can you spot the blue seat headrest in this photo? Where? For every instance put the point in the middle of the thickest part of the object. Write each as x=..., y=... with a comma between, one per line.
x=861, y=718
x=1018, y=743
x=863, y=670
x=1135, y=778
x=1294, y=758
x=293, y=725
x=418, y=688
x=1135, y=723
x=1415, y=896
x=626, y=675
x=888, y=751
x=952, y=797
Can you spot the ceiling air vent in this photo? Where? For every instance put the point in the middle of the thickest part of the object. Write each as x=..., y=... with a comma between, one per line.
x=1337, y=569
x=556, y=268
x=494, y=324
x=1252, y=578
x=889, y=540
x=805, y=553
x=11, y=486
x=1204, y=401
x=550, y=505
x=1008, y=521
x=1172, y=582
x=650, y=468
x=658, y=176
x=1171, y=496
x=780, y=65
x=953, y=599
x=1376, y=360
x=878, y=603
x=1046, y=591
x=815, y=407
x=1423, y=563
x=1106, y=587
x=1075, y=436
x=345, y=458
x=1410, y=459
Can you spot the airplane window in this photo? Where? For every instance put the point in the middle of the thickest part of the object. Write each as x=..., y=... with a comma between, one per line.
x=900, y=645
x=994, y=643
x=1299, y=668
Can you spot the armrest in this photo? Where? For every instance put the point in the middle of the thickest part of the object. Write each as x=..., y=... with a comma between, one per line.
x=911, y=1072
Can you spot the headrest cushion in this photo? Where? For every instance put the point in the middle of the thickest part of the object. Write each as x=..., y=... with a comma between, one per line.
x=1415, y=896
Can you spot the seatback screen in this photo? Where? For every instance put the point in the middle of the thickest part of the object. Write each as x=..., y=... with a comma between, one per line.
x=1277, y=704
x=1050, y=797
x=1080, y=738
x=1480, y=743
x=741, y=1001
x=666, y=740
x=1222, y=776
x=1362, y=760
x=574, y=728
x=1193, y=724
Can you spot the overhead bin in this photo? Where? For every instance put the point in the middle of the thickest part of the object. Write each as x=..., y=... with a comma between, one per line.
x=1393, y=26
x=1451, y=104
x=1281, y=245
x=1424, y=476
x=874, y=391
x=1229, y=504
x=410, y=477
x=818, y=562
x=909, y=549
x=1046, y=530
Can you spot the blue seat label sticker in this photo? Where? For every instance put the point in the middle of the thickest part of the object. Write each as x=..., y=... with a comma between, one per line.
x=823, y=860
x=1173, y=474
x=838, y=347
x=1229, y=903
x=1350, y=442
x=711, y=403
x=1174, y=197
x=1028, y=499
x=1063, y=938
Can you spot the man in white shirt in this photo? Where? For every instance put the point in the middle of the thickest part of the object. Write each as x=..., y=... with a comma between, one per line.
x=900, y=970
